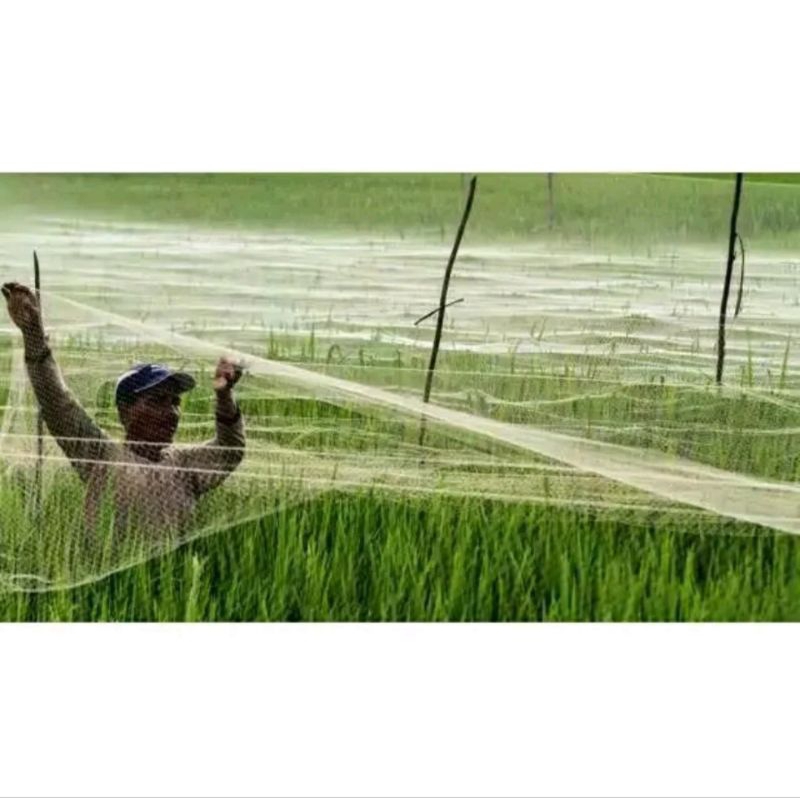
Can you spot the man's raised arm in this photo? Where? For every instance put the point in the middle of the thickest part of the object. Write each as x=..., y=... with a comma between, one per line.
x=207, y=465
x=77, y=434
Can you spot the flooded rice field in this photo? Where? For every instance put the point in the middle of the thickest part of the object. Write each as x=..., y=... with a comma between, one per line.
x=654, y=314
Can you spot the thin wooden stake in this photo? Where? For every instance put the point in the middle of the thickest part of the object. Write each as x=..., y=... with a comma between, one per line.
x=741, y=279
x=437, y=337
x=726, y=286
x=39, y=418
x=551, y=206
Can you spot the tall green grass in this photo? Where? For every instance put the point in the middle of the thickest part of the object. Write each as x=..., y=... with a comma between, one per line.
x=372, y=554
x=369, y=557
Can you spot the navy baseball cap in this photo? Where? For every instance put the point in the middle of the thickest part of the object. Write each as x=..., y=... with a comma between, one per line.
x=142, y=377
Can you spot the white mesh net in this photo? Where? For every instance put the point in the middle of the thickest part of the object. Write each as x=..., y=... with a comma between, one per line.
x=577, y=377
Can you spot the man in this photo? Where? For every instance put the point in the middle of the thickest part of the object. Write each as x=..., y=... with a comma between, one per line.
x=152, y=486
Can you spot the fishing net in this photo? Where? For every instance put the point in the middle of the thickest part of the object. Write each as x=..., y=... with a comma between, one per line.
x=573, y=374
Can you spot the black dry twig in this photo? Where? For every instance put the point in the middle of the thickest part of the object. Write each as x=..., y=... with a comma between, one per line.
x=437, y=337
x=741, y=278
x=726, y=287
x=431, y=313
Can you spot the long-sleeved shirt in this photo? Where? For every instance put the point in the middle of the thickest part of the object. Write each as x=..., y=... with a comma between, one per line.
x=154, y=497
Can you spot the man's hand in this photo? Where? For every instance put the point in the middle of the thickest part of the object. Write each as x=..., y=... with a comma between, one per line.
x=23, y=307
x=227, y=374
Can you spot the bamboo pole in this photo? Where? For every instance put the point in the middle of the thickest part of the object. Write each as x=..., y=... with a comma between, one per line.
x=726, y=286
x=437, y=337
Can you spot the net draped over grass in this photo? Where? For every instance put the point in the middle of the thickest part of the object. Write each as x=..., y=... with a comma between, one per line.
x=577, y=460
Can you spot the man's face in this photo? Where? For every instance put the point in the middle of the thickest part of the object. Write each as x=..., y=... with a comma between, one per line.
x=154, y=415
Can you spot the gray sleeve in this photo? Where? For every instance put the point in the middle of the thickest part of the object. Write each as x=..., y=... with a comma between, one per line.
x=77, y=434
x=207, y=465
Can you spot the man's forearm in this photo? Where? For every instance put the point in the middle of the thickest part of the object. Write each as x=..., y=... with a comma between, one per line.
x=210, y=463
x=82, y=441
x=226, y=405
x=35, y=342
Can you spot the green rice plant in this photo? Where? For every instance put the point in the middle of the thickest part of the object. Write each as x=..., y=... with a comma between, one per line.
x=393, y=555
x=368, y=556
